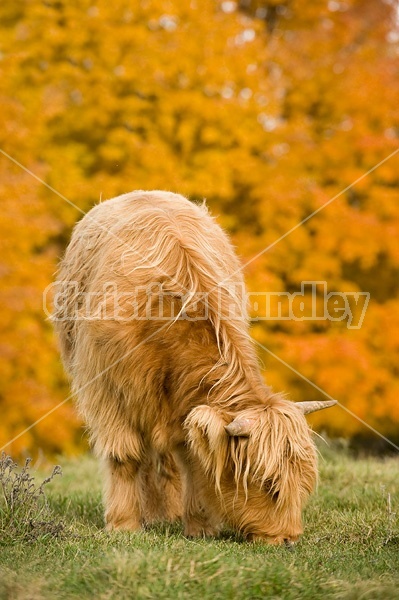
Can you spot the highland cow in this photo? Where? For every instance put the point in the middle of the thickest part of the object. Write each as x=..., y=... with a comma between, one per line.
x=151, y=316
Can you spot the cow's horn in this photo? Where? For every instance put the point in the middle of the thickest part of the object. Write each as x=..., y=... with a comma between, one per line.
x=239, y=427
x=309, y=407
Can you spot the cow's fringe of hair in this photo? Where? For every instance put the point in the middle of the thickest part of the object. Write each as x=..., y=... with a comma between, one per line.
x=272, y=456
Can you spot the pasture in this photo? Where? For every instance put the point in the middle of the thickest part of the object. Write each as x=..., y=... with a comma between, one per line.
x=350, y=548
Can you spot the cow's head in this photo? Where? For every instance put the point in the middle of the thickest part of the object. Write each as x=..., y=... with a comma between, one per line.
x=262, y=465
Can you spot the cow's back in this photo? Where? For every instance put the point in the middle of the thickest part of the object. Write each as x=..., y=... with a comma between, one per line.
x=125, y=355
x=131, y=232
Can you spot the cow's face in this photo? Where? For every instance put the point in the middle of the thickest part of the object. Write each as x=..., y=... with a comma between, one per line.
x=270, y=510
x=263, y=466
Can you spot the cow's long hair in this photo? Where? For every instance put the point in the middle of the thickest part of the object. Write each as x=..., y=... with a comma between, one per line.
x=145, y=382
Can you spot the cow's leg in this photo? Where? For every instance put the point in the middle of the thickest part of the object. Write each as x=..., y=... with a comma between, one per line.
x=122, y=495
x=200, y=518
x=115, y=441
x=171, y=486
x=161, y=487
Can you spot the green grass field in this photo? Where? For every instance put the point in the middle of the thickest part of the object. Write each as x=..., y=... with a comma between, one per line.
x=350, y=548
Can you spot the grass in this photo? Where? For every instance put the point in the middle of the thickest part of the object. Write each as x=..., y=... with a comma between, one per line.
x=350, y=548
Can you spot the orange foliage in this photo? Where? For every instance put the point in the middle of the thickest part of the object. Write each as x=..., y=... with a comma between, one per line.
x=267, y=108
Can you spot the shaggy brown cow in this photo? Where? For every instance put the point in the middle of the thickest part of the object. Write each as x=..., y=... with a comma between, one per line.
x=153, y=328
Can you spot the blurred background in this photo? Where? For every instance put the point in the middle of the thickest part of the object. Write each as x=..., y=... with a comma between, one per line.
x=266, y=108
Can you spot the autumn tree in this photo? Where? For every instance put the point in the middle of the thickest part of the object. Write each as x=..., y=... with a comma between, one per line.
x=269, y=109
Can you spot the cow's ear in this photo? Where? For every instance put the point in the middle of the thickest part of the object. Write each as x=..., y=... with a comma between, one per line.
x=206, y=422
x=207, y=438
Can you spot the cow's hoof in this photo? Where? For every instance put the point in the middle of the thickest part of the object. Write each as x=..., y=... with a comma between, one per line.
x=192, y=532
x=123, y=526
x=272, y=541
x=289, y=544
